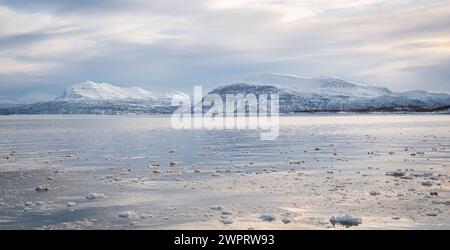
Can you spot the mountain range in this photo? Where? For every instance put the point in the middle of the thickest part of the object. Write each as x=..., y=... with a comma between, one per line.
x=297, y=94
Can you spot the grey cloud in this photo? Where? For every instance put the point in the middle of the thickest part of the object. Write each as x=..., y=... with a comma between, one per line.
x=102, y=6
x=195, y=44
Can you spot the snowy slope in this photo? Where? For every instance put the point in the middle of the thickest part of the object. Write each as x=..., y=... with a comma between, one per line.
x=102, y=98
x=92, y=91
x=426, y=97
x=332, y=94
x=296, y=94
x=326, y=86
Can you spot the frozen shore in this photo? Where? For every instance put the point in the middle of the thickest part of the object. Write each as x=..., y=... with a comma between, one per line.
x=353, y=171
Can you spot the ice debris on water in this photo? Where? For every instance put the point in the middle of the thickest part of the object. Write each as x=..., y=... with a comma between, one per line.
x=70, y=204
x=93, y=196
x=346, y=220
x=128, y=215
x=145, y=216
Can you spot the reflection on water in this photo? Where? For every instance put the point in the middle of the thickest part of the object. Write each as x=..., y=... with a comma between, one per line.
x=102, y=141
x=91, y=153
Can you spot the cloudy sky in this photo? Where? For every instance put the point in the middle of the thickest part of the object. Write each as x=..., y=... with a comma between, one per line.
x=47, y=45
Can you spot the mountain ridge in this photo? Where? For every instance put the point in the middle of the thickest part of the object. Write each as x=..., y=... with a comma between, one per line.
x=93, y=91
x=297, y=94
x=301, y=94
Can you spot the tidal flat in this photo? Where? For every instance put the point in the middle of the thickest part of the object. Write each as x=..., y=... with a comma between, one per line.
x=325, y=171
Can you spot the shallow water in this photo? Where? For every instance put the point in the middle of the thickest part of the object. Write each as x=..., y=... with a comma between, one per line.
x=83, y=154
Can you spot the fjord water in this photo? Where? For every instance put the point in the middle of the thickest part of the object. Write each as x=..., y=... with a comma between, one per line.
x=320, y=165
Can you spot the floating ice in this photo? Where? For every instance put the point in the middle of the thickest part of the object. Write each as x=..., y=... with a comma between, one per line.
x=93, y=196
x=70, y=204
x=128, y=215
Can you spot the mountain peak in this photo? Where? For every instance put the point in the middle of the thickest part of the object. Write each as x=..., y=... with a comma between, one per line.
x=90, y=90
x=324, y=85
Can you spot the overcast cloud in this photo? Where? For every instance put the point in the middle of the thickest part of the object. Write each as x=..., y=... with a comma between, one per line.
x=47, y=45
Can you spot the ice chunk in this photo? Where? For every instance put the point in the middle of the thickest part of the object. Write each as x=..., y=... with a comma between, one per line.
x=93, y=196
x=128, y=215
x=70, y=204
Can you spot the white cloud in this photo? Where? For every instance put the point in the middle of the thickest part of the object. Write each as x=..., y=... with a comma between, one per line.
x=13, y=66
x=14, y=22
x=144, y=40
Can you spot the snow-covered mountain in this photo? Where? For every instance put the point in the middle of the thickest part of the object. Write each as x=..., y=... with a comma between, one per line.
x=322, y=86
x=100, y=92
x=101, y=98
x=296, y=94
x=299, y=94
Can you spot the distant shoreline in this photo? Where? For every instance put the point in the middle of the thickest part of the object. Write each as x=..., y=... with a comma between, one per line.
x=309, y=112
